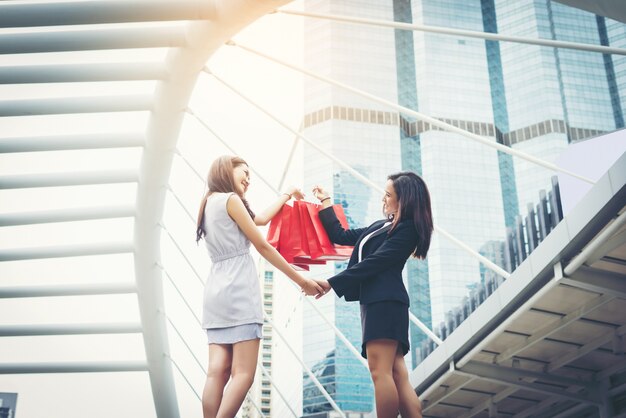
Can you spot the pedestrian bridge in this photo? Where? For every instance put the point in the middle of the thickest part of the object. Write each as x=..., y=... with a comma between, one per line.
x=548, y=342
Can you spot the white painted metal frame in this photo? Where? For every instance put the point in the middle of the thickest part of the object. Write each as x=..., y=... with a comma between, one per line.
x=459, y=32
x=191, y=44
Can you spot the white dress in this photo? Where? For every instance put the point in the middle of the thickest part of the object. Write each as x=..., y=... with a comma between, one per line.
x=232, y=308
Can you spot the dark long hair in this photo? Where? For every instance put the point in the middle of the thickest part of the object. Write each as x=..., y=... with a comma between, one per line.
x=220, y=180
x=414, y=203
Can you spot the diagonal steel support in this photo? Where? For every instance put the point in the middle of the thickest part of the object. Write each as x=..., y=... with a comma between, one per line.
x=460, y=32
x=513, y=377
x=553, y=327
x=227, y=145
x=596, y=280
x=420, y=116
x=308, y=371
x=598, y=241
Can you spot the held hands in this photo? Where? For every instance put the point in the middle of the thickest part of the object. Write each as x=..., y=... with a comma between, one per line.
x=312, y=288
x=325, y=285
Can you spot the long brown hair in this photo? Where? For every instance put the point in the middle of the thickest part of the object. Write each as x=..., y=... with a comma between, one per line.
x=220, y=180
x=414, y=203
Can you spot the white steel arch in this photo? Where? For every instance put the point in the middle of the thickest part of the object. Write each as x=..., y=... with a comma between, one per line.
x=209, y=24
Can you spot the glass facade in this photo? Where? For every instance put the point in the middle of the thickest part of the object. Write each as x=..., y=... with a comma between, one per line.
x=535, y=99
x=363, y=134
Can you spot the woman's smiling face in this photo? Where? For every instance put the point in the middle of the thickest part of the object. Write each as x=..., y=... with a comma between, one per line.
x=390, y=199
x=241, y=176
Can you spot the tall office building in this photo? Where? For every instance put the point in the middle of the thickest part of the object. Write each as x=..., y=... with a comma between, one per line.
x=365, y=135
x=535, y=99
x=8, y=405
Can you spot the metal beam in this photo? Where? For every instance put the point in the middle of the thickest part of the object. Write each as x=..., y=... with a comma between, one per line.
x=73, y=105
x=564, y=410
x=553, y=327
x=591, y=248
x=616, y=367
x=597, y=280
x=66, y=251
x=513, y=377
x=420, y=116
x=506, y=323
x=461, y=32
x=481, y=369
x=546, y=403
x=73, y=367
x=608, y=246
x=563, y=359
x=24, y=181
x=256, y=173
x=11, y=292
x=308, y=371
x=74, y=73
x=446, y=393
x=485, y=404
x=71, y=142
x=29, y=14
x=285, y=401
x=92, y=39
x=24, y=330
x=66, y=215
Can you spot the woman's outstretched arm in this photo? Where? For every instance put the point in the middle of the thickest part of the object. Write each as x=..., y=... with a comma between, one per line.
x=336, y=233
x=272, y=210
x=237, y=211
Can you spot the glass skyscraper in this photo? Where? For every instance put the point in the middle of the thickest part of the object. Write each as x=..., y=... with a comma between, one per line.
x=535, y=99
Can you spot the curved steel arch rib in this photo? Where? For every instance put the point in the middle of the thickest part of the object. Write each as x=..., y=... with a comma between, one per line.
x=171, y=98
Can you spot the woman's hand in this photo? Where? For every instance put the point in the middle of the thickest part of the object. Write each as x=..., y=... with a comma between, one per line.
x=311, y=288
x=295, y=193
x=319, y=192
x=325, y=285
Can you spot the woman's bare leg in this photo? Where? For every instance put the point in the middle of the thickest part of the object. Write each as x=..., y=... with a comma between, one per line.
x=245, y=354
x=380, y=357
x=220, y=359
x=410, y=405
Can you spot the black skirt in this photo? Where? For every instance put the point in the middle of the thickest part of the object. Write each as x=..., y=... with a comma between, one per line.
x=385, y=320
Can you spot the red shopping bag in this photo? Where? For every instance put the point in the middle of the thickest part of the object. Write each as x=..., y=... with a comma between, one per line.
x=309, y=236
x=311, y=248
x=273, y=233
x=280, y=225
x=290, y=243
x=318, y=233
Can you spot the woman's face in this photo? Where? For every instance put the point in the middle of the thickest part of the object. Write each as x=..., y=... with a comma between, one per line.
x=390, y=199
x=241, y=176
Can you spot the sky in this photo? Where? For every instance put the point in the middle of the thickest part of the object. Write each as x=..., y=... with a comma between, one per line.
x=260, y=141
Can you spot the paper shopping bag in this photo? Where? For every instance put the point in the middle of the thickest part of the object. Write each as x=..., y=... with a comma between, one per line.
x=318, y=234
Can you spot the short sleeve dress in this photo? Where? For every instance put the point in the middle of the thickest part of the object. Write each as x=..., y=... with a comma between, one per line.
x=232, y=310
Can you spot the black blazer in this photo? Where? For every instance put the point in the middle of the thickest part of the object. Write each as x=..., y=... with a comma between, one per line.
x=378, y=277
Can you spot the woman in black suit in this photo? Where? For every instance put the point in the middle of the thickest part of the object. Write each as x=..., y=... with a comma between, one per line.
x=374, y=278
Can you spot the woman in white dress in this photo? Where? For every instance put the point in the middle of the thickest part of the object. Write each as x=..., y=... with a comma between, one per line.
x=232, y=308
